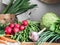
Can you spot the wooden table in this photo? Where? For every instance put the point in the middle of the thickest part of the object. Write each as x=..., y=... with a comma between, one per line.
x=33, y=43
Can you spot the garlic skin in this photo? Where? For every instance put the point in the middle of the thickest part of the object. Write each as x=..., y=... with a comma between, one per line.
x=34, y=36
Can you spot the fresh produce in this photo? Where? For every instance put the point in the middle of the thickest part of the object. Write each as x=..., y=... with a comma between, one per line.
x=48, y=19
x=24, y=34
x=15, y=30
x=7, y=8
x=17, y=25
x=52, y=23
x=12, y=25
x=2, y=42
x=19, y=31
x=2, y=26
x=7, y=39
x=22, y=27
x=18, y=7
x=8, y=30
x=25, y=22
x=34, y=36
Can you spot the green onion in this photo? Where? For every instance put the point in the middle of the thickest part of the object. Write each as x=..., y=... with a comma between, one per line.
x=7, y=8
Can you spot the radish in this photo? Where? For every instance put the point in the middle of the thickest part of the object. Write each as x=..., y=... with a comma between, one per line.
x=25, y=22
x=17, y=25
x=34, y=36
x=22, y=27
x=12, y=25
x=15, y=30
x=8, y=30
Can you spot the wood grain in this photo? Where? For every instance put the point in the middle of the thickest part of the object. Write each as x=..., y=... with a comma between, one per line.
x=33, y=43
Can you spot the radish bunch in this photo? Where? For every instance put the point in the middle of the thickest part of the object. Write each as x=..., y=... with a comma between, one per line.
x=13, y=28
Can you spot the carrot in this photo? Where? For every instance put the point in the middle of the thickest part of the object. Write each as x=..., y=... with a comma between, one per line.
x=8, y=35
x=2, y=42
x=7, y=39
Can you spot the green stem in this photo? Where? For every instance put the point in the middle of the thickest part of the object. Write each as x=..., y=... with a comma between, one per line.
x=6, y=9
x=14, y=5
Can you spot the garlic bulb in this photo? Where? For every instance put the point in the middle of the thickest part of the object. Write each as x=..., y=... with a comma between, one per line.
x=34, y=36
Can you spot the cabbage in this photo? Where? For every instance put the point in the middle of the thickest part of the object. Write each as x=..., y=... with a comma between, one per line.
x=48, y=19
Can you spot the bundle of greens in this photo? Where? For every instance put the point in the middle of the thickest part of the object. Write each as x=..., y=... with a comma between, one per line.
x=2, y=26
x=18, y=7
x=23, y=36
x=52, y=24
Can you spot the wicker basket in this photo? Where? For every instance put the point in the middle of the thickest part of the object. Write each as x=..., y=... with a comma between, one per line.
x=7, y=18
x=51, y=1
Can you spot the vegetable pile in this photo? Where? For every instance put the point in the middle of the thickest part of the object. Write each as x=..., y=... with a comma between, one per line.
x=19, y=31
x=14, y=28
x=18, y=7
x=24, y=35
x=52, y=24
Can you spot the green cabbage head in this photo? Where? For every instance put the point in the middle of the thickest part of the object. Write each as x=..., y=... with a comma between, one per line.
x=48, y=19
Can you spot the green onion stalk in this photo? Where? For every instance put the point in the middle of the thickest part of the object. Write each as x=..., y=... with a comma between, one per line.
x=19, y=6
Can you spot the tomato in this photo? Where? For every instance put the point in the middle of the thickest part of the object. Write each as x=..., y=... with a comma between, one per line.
x=25, y=22
x=17, y=25
x=22, y=27
x=15, y=30
x=8, y=30
x=12, y=25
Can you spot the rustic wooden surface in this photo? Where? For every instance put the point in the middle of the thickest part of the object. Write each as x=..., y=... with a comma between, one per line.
x=33, y=43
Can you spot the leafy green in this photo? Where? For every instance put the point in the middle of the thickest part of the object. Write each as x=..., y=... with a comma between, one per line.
x=45, y=36
x=19, y=6
x=52, y=23
x=55, y=27
x=7, y=8
x=2, y=33
x=48, y=19
x=24, y=35
x=1, y=29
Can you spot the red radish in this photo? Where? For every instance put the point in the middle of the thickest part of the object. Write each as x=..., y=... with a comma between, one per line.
x=22, y=27
x=15, y=30
x=12, y=25
x=25, y=22
x=8, y=30
x=17, y=25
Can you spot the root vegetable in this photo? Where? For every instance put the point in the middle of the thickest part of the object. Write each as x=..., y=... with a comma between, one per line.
x=8, y=30
x=25, y=22
x=15, y=30
x=17, y=25
x=22, y=27
x=2, y=42
x=12, y=25
x=7, y=39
